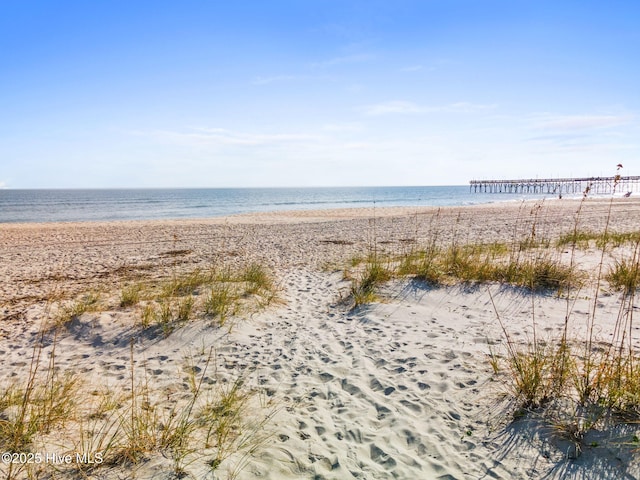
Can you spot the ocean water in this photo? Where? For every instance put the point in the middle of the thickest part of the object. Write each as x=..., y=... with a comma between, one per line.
x=145, y=204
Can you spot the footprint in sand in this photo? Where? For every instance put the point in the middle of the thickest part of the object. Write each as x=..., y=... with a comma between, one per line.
x=326, y=377
x=375, y=385
x=411, y=406
x=381, y=457
x=382, y=411
x=350, y=388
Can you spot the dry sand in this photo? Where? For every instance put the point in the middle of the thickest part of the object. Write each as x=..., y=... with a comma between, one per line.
x=402, y=388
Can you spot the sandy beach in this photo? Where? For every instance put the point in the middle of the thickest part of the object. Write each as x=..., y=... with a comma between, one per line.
x=402, y=387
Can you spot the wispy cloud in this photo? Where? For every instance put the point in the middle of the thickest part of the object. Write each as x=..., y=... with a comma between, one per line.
x=412, y=68
x=277, y=78
x=347, y=59
x=343, y=127
x=3, y=184
x=466, y=107
x=408, y=108
x=221, y=136
x=394, y=107
x=579, y=133
x=581, y=122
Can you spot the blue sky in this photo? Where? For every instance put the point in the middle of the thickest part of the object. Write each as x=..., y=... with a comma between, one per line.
x=315, y=92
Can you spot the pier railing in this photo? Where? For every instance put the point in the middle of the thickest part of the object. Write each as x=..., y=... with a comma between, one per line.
x=558, y=186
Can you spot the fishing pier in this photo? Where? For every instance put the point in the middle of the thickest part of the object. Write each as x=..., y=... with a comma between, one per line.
x=558, y=186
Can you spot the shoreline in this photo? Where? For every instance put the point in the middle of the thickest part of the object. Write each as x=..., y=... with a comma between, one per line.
x=316, y=215
x=303, y=207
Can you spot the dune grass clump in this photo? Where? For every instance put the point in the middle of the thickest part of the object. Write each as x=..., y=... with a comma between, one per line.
x=538, y=271
x=89, y=302
x=198, y=294
x=537, y=373
x=43, y=404
x=574, y=393
x=625, y=275
x=146, y=426
x=130, y=295
x=221, y=301
x=206, y=424
x=171, y=303
x=533, y=375
x=45, y=400
x=577, y=385
x=186, y=283
x=582, y=239
x=577, y=238
x=533, y=243
x=539, y=274
x=463, y=263
x=215, y=294
x=375, y=273
x=421, y=265
x=257, y=278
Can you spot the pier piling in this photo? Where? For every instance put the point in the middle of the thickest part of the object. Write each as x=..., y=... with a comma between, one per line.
x=558, y=186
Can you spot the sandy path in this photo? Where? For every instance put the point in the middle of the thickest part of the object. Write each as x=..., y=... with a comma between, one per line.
x=401, y=389
x=392, y=391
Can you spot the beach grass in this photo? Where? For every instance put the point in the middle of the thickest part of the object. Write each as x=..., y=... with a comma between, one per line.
x=540, y=271
x=215, y=294
x=625, y=275
x=207, y=423
x=87, y=302
x=575, y=384
x=583, y=238
x=579, y=384
x=127, y=426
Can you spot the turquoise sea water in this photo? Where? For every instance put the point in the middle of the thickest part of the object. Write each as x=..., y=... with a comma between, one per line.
x=142, y=204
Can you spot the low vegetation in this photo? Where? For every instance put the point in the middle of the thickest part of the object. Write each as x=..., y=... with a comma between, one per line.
x=538, y=270
x=579, y=384
x=171, y=303
x=575, y=385
x=202, y=418
x=88, y=302
x=584, y=239
x=215, y=295
x=204, y=422
x=625, y=275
